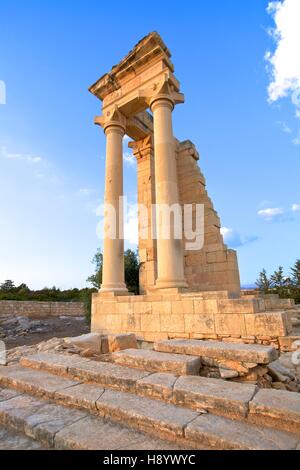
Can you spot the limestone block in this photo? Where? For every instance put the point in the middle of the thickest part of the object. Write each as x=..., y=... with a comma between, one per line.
x=142, y=308
x=207, y=306
x=276, y=407
x=113, y=322
x=230, y=324
x=131, y=323
x=216, y=257
x=181, y=307
x=172, y=323
x=162, y=308
x=272, y=324
x=158, y=385
x=154, y=361
x=239, y=306
x=107, y=307
x=90, y=341
x=81, y=395
x=149, y=415
x=124, y=308
x=215, y=395
x=216, y=432
x=203, y=323
x=151, y=337
x=150, y=323
x=121, y=342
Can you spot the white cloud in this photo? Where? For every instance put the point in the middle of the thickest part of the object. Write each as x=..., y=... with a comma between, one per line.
x=270, y=213
x=233, y=239
x=129, y=159
x=296, y=207
x=19, y=156
x=296, y=140
x=285, y=62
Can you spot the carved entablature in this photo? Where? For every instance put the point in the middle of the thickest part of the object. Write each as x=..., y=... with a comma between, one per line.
x=142, y=148
x=133, y=83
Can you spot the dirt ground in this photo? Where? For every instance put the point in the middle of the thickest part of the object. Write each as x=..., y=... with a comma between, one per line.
x=28, y=331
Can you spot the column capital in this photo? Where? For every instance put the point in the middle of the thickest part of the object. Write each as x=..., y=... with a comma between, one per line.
x=142, y=148
x=112, y=118
x=165, y=93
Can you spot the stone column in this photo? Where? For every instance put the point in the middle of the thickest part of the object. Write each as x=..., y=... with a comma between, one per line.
x=170, y=256
x=113, y=276
x=144, y=152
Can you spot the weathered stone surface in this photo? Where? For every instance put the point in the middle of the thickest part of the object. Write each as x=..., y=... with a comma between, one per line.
x=80, y=396
x=7, y=394
x=277, y=408
x=107, y=374
x=54, y=425
x=52, y=362
x=154, y=361
x=228, y=374
x=159, y=385
x=36, y=418
x=83, y=369
x=219, y=350
x=90, y=341
x=216, y=395
x=217, y=432
x=11, y=440
x=14, y=411
x=37, y=382
x=161, y=419
x=120, y=342
x=279, y=373
x=43, y=424
x=94, y=433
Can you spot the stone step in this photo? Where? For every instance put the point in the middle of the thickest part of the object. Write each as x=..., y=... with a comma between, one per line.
x=273, y=408
x=117, y=420
x=104, y=373
x=59, y=427
x=154, y=361
x=278, y=408
x=250, y=353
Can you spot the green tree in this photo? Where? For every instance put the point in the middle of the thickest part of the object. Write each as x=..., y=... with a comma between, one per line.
x=96, y=278
x=280, y=283
x=132, y=268
x=264, y=283
x=131, y=262
x=296, y=274
x=8, y=286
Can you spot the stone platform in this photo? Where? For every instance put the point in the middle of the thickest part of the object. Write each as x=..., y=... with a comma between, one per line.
x=203, y=315
x=70, y=402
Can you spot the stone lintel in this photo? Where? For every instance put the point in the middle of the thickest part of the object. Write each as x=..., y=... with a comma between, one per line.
x=149, y=49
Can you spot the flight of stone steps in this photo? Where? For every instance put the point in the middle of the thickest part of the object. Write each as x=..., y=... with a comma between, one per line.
x=144, y=399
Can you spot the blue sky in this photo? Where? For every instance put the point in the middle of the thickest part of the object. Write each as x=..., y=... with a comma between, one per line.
x=52, y=155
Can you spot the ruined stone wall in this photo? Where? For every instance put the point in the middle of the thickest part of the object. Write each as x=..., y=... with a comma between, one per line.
x=41, y=309
x=214, y=267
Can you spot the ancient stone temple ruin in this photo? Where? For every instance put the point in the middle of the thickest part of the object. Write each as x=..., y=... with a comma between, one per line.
x=183, y=293
x=167, y=369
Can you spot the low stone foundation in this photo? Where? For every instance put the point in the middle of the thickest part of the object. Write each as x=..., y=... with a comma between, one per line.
x=204, y=315
x=41, y=309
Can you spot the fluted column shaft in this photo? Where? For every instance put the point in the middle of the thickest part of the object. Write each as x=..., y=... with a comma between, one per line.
x=113, y=247
x=170, y=268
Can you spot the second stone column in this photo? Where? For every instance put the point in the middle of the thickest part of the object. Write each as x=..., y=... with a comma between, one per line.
x=170, y=268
